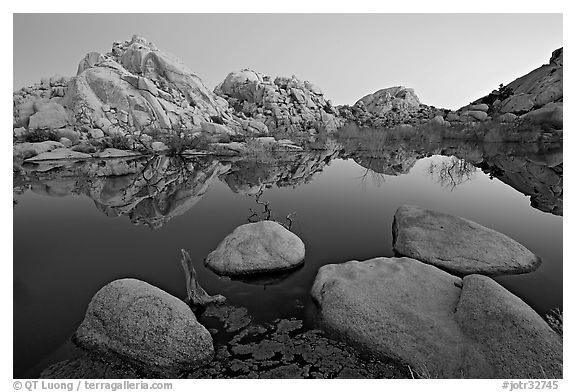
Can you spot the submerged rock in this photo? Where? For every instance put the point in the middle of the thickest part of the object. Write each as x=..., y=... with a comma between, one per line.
x=260, y=247
x=403, y=309
x=457, y=244
x=153, y=331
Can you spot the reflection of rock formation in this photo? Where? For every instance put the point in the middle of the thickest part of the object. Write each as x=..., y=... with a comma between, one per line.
x=533, y=169
x=153, y=190
x=537, y=179
x=250, y=176
x=165, y=188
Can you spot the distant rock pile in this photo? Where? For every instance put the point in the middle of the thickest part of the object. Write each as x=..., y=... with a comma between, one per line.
x=389, y=107
x=285, y=103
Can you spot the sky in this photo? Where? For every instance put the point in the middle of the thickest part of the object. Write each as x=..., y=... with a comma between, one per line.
x=449, y=59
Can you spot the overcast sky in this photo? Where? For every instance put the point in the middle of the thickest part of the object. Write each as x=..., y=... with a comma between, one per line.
x=449, y=59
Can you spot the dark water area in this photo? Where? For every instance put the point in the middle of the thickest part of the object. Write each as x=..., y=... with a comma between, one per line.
x=74, y=231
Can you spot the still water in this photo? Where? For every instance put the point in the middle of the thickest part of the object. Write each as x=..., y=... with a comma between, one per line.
x=74, y=234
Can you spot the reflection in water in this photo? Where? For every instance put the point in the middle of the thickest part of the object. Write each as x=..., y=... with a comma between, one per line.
x=337, y=221
x=153, y=190
x=452, y=172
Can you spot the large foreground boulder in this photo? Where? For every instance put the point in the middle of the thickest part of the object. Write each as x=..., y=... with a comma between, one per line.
x=438, y=324
x=260, y=247
x=458, y=245
x=148, y=328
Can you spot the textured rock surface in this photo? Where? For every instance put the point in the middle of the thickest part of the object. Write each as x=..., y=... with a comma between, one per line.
x=286, y=104
x=264, y=246
x=393, y=98
x=457, y=244
x=145, y=326
x=390, y=107
x=403, y=309
x=537, y=89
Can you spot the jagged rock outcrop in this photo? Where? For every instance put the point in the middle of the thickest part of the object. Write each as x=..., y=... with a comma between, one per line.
x=285, y=104
x=440, y=325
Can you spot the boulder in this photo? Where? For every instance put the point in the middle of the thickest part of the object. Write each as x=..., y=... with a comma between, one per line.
x=90, y=60
x=27, y=150
x=551, y=114
x=452, y=116
x=49, y=116
x=214, y=128
x=57, y=154
x=508, y=332
x=518, y=104
x=148, y=328
x=434, y=322
x=115, y=153
x=480, y=107
x=438, y=120
x=476, y=115
x=260, y=247
x=507, y=118
x=458, y=245
x=392, y=98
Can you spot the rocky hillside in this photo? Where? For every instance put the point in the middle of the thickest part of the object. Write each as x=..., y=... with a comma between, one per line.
x=536, y=97
x=136, y=98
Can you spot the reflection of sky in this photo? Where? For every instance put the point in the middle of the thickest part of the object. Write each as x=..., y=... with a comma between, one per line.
x=76, y=249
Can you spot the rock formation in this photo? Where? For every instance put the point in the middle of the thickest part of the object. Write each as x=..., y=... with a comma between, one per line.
x=285, y=104
x=390, y=107
x=536, y=97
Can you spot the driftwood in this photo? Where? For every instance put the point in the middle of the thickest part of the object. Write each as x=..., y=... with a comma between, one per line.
x=197, y=296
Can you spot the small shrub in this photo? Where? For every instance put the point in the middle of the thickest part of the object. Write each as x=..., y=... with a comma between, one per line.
x=117, y=141
x=177, y=144
x=39, y=135
x=556, y=321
